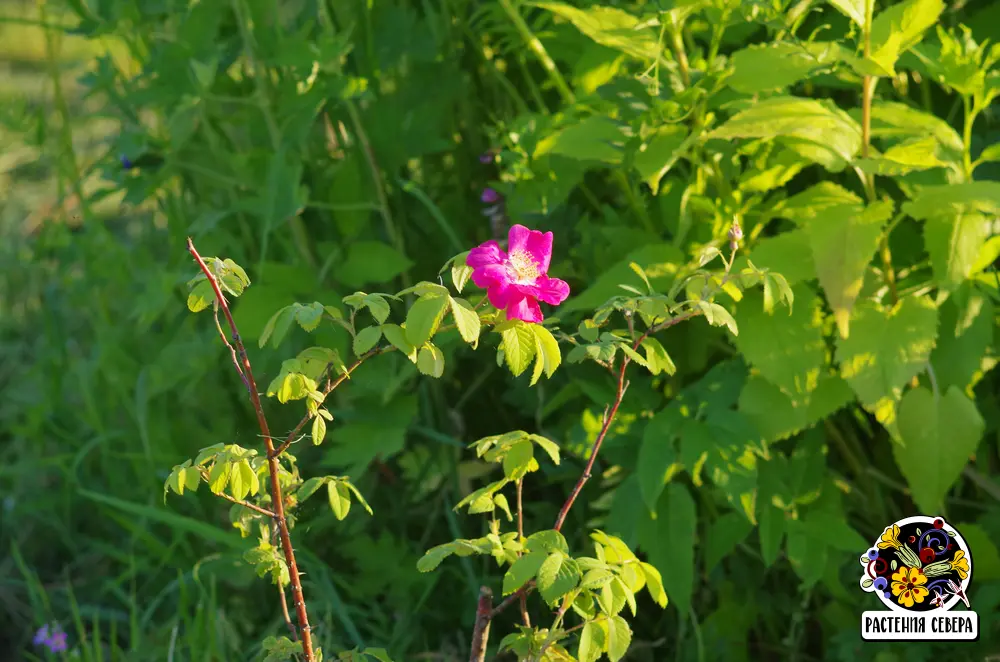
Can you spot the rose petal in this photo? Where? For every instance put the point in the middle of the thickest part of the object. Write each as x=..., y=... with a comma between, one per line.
x=500, y=295
x=521, y=307
x=491, y=275
x=537, y=244
x=550, y=290
x=485, y=254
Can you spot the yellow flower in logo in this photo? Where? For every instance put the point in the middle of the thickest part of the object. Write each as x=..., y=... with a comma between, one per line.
x=890, y=538
x=960, y=564
x=908, y=586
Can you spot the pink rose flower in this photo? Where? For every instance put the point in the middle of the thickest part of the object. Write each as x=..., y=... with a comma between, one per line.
x=518, y=280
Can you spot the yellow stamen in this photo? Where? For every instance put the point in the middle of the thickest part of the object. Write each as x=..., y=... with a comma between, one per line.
x=522, y=267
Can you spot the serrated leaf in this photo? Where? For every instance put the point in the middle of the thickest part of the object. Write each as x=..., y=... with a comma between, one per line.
x=953, y=242
x=309, y=316
x=424, y=318
x=548, y=347
x=357, y=495
x=843, y=240
x=397, y=338
x=547, y=541
x=673, y=552
x=517, y=461
x=501, y=502
x=548, y=446
x=939, y=433
x=898, y=28
x=518, y=347
x=201, y=297
x=522, y=571
x=787, y=350
x=218, y=477
x=460, y=274
x=593, y=641
x=619, y=638
x=768, y=67
x=339, y=497
x=887, y=348
x=657, y=457
x=432, y=558
x=657, y=358
x=654, y=584
x=832, y=137
x=610, y=27
x=466, y=320
x=718, y=316
x=310, y=487
x=588, y=330
x=557, y=576
x=277, y=327
x=366, y=339
x=853, y=9
x=430, y=361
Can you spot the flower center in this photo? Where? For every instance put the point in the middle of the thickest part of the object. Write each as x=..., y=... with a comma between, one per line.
x=522, y=267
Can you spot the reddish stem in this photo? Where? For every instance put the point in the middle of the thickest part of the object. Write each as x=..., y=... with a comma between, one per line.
x=481, y=632
x=272, y=464
x=595, y=449
x=330, y=386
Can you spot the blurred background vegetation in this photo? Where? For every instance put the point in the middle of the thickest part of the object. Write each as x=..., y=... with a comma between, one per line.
x=353, y=164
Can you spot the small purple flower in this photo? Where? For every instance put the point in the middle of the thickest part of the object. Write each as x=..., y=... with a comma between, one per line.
x=57, y=644
x=126, y=163
x=54, y=639
x=489, y=196
x=486, y=158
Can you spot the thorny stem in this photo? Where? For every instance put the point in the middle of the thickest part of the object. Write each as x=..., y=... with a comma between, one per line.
x=619, y=395
x=284, y=600
x=232, y=350
x=596, y=447
x=481, y=632
x=305, y=630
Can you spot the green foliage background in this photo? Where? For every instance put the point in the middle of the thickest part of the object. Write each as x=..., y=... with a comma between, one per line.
x=330, y=147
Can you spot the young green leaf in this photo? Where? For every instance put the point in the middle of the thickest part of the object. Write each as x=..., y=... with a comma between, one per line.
x=357, y=495
x=593, y=642
x=277, y=327
x=340, y=498
x=430, y=361
x=201, y=297
x=424, y=318
x=518, y=460
x=654, y=584
x=366, y=339
x=657, y=358
x=518, y=346
x=397, y=338
x=718, y=316
x=466, y=320
x=557, y=576
x=318, y=431
x=522, y=571
x=619, y=638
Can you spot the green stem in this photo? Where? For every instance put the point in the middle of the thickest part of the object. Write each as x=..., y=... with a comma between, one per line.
x=969, y=119
x=538, y=49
